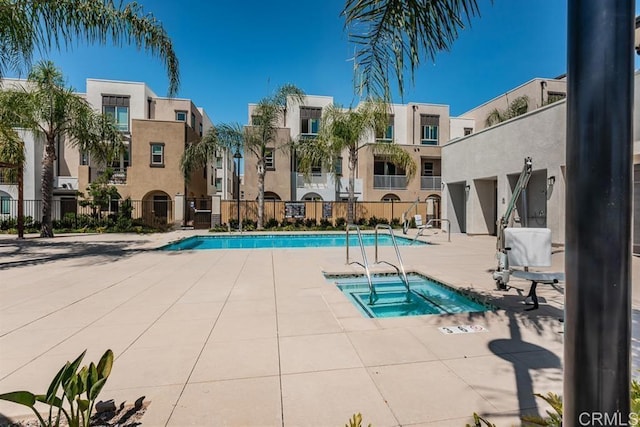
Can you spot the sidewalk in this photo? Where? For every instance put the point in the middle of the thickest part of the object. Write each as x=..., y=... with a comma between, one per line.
x=258, y=337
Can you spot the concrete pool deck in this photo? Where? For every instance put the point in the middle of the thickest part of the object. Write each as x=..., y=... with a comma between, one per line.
x=257, y=337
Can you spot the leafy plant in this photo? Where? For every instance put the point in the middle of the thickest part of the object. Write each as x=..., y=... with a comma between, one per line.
x=355, y=421
x=478, y=421
x=80, y=388
x=555, y=417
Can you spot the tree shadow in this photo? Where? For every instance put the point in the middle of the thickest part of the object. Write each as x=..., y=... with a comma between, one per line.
x=15, y=253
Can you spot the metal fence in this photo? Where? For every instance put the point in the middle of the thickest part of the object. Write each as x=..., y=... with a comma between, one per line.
x=319, y=210
x=72, y=214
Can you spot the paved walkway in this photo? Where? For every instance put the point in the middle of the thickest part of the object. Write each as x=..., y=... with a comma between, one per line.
x=258, y=337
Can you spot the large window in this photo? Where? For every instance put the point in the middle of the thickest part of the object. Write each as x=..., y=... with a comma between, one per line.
x=117, y=108
x=157, y=154
x=386, y=134
x=429, y=129
x=382, y=166
x=310, y=120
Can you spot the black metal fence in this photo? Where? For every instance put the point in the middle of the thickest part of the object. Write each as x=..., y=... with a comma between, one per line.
x=72, y=213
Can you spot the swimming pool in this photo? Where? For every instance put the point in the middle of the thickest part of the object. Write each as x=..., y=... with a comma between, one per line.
x=426, y=296
x=277, y=240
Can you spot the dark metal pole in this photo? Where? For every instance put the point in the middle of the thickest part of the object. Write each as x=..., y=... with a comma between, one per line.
x=238, y=189
x=598, y=212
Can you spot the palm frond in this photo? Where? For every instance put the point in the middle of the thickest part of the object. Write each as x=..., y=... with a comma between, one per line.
x=26, y=25
x=390, y=34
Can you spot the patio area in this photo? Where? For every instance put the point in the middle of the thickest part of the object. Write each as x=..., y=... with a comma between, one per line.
x=260, y=338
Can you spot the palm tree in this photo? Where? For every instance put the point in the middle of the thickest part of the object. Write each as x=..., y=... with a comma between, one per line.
x=225, y=137
x=391, y=33
x=40, y=25
x=347, y=130
x=47, y=108
x=516, y=108
x=261, y=136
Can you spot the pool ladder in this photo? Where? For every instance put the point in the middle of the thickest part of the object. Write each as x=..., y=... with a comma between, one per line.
x=400, y=267
x=365, y=264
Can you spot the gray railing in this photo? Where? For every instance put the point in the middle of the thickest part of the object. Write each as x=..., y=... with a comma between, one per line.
x=364, y=264
x=318, y=179
x=390, y=181
x=400, y=267
x=430, y=183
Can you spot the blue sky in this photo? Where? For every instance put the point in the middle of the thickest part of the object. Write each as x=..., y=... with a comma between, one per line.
x=234, y=53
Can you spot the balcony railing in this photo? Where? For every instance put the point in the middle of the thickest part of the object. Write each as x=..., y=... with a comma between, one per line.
x=314, y=180
x=397, y=182
x=430, y=182
x=119, y=176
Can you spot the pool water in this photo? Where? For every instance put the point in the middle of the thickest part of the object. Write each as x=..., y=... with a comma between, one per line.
x=251, y=241
x=392, y=299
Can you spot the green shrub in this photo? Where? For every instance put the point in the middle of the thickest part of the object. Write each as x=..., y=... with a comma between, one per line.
x=310, y=222
x=340, y=222
x=271, y=223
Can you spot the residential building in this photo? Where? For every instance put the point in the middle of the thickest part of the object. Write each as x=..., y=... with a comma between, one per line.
x=420, y=129
x=155, y=131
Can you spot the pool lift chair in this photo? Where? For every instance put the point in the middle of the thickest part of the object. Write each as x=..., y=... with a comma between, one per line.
x=523, y=247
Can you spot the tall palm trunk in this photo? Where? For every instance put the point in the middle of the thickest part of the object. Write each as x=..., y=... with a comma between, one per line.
x=46, y=229
x=353, y=160
x=261, y=174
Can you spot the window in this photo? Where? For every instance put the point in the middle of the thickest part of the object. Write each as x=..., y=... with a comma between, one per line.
x=117, y=109
x=386, y=134
x=5, y=205
x=338, y=166
x=193, y=121
x=310, y=120
x=157, y=154
x=427, y=169
x=218, y=184
x=84, y=158
x=555, y=96
x=213, y=175
x=200, y=129
x=218, y=162
x=429, y=129
x=269, y=160
x=382, y=166
x=181, y=116
x=468, y=131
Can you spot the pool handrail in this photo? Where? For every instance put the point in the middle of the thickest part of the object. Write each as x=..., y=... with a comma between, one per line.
x=365, y=263
x=401, y=272
x=427, y=226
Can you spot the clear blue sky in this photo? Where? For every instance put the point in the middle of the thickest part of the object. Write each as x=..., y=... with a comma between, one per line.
x=235, y=52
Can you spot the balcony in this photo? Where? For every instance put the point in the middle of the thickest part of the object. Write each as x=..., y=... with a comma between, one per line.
x=65, y=182
x=315, y=180
x=431, y=183
x=119, y=176
x=390, y=182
